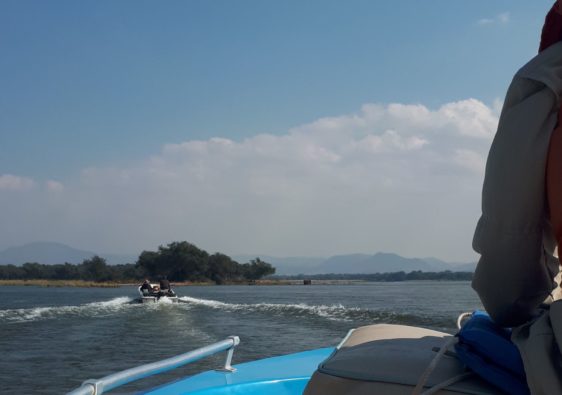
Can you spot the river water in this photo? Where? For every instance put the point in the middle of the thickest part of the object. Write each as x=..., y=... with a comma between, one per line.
x=52, y=339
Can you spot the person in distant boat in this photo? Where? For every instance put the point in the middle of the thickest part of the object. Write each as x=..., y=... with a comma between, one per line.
x=165, y=287
x=146, y=288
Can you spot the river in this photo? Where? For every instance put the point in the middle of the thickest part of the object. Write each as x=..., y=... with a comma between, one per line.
x=52, y=339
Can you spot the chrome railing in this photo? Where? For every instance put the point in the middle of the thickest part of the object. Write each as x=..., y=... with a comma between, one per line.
x=107, y=383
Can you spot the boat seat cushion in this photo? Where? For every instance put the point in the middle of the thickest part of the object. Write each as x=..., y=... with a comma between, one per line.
x=390, y=359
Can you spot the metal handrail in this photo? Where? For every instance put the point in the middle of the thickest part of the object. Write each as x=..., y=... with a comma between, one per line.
x=107, y=383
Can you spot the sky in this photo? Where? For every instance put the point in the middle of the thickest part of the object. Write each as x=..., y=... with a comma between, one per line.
x=284, y=128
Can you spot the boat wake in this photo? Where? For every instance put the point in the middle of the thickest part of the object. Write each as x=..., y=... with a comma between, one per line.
x=335, y=312
x=49, y=312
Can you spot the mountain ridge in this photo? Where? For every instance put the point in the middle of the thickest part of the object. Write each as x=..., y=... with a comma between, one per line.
x=357, y=263
x=354, y=263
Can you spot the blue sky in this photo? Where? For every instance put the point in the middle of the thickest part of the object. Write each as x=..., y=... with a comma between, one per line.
x=90, y=86
x=87, y=82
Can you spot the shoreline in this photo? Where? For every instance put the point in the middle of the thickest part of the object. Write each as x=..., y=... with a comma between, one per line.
x=60, y=283
x=109, y=284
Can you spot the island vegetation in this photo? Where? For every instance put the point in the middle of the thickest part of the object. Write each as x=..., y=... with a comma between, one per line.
x=179, y=261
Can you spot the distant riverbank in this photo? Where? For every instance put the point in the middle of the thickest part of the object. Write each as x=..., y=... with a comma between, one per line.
x=60, y=283
x=111, y=284
x=93, y=284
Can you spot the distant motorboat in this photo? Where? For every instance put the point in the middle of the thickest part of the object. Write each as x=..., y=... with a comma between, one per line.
x=157, y=295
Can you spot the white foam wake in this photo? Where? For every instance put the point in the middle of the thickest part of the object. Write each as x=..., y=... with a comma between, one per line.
x=336, y=312
x=88, y=309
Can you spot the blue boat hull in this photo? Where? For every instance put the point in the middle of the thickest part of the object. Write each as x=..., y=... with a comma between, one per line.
x=283, y=375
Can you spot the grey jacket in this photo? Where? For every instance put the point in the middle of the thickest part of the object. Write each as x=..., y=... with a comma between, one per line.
x=516, y=270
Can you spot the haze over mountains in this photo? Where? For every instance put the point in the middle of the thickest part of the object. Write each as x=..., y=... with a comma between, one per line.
x=380, y=262
x=50, y=253
x=53, y=253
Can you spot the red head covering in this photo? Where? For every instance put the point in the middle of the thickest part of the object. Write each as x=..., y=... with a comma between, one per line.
x=552, y=29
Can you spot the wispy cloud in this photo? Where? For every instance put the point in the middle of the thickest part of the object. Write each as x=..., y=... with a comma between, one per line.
x=500, y=19
x=54, y=186
x=389, y=177
x=10, y=182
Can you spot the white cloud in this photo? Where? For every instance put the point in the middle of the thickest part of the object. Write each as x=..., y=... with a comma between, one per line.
x=389, y=141
x=497, y=106
x=470, y=118
x=15, y=183
x=470, y=160
x=389, y=177
x=54, y=186
x=500, y=19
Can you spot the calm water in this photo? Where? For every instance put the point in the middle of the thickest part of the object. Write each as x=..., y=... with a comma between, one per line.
x=52, y=339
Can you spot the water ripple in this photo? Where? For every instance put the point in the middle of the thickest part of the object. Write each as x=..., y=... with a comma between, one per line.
x=41, y=313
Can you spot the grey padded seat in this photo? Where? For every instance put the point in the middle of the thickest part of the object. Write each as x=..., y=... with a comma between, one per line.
x=389, y=360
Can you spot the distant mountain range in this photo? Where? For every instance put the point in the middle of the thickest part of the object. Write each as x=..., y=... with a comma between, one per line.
x=49, y=253
x=52, y=253
x=380, y=262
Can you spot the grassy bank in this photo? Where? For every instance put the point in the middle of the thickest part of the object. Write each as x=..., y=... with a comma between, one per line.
x=60, y=283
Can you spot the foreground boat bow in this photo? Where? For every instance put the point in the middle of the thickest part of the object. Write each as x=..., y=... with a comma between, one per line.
x=105, y=384
x=284, y=375
x=374, y=359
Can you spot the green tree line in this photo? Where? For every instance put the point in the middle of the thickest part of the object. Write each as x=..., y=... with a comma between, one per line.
x=386, y=277
x=179, y=261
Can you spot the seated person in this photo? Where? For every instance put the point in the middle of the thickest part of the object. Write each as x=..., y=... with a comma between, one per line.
x=165, y=287
x=146, y=288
